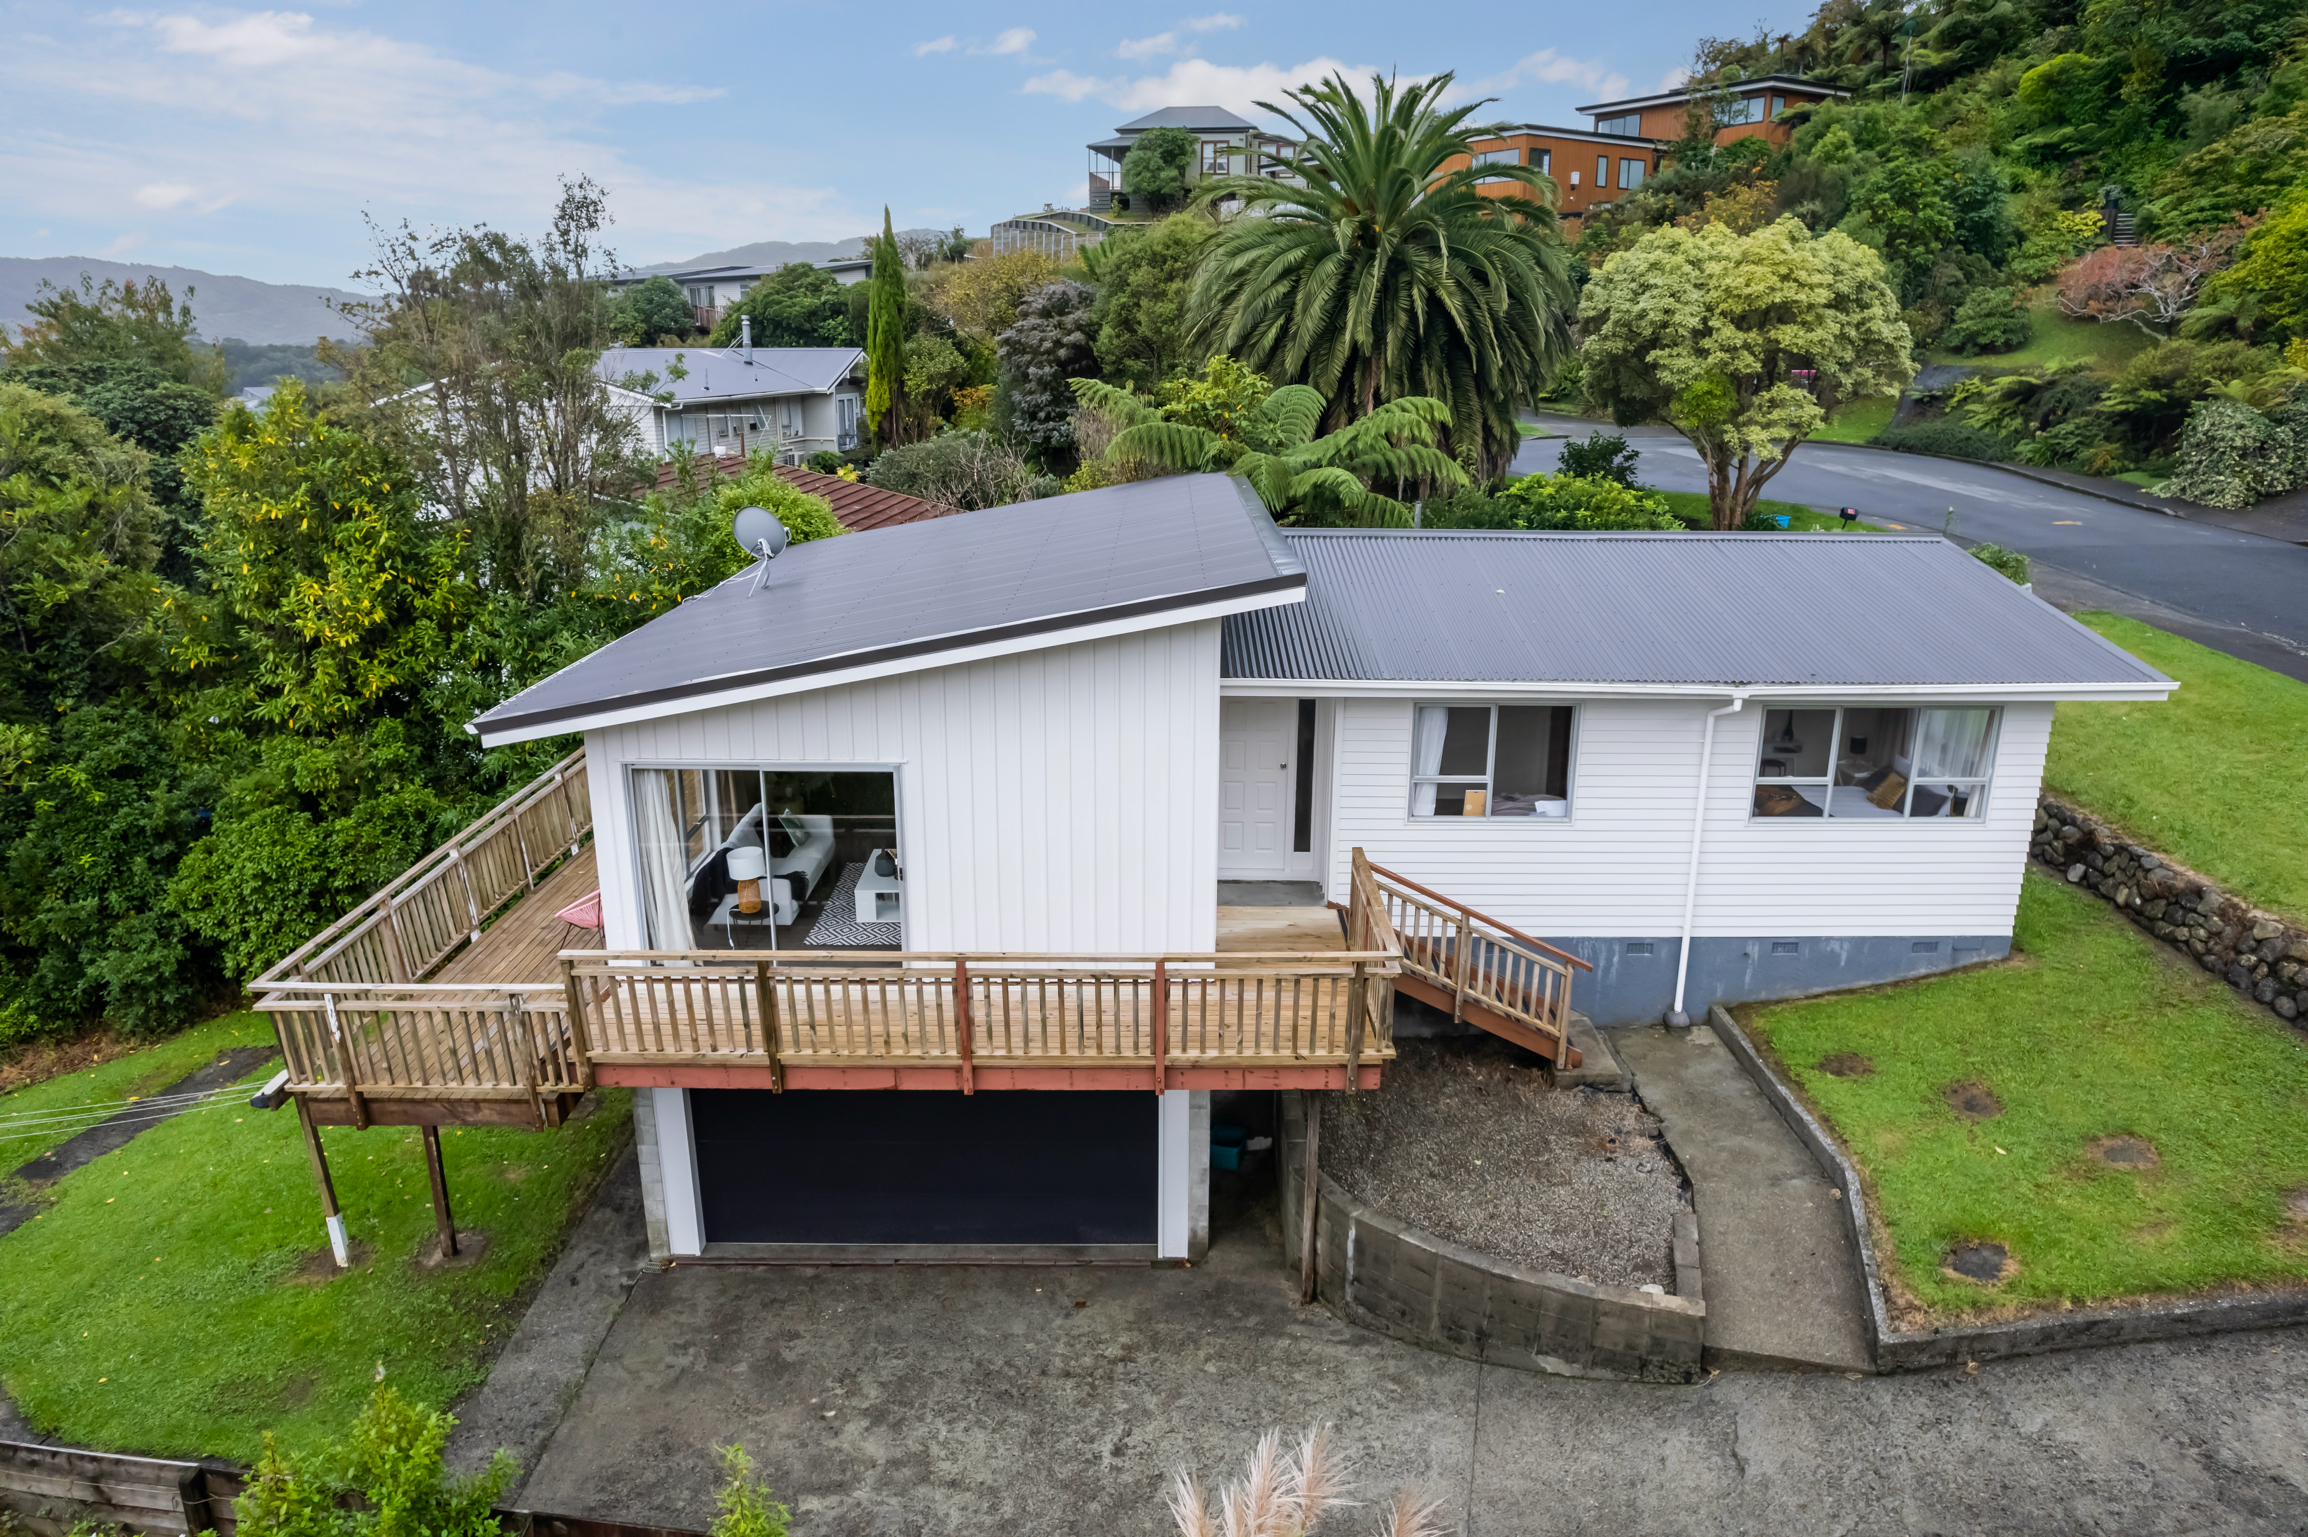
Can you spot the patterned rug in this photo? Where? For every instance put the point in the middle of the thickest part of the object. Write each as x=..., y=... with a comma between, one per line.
x=837, y=923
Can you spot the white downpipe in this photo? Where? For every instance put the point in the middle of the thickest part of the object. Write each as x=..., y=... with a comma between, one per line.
x=1676, y=1018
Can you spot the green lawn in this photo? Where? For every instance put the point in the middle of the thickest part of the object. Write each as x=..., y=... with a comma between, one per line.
x=127, y=1077
x=156, y=1306
x=1692, y=508
x=1858, y=422
x=2056, y=336
x=2092, y=1031
x=2210, y=776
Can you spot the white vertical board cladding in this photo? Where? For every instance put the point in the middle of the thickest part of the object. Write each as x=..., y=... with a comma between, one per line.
x=1061, y=800
x=1617, y=865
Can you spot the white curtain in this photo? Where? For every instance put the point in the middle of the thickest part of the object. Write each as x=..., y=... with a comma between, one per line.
x=664, y=863
x=1433, y=723
x=1951, y=744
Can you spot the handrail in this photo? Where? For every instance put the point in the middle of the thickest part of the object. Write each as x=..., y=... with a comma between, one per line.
x=456, y=854
x=1479, y=917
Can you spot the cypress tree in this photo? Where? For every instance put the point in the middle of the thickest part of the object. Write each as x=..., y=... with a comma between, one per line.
x=886, y=338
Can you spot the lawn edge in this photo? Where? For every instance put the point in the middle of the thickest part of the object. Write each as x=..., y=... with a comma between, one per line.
x=2035, y=1334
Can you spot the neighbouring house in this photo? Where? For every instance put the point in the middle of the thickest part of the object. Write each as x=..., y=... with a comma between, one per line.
x=1058, y=233
x=1589, y=169
x=711, y=290
x=732, y=400
x=973, y=808
x=1231, y=145
x=1763, y=106
x=856, y=505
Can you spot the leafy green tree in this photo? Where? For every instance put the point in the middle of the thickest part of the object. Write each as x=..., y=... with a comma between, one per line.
x=1159, y=167
x=886, y=339
x=679, y=544
x=1742, y=343
x=1140, y=315
x=652, y=309
x=116, y=322
x=1989, y=320
x=1383, y=278
x=798, y=305
x=1050, y=344
x=1297, y=475
x=2274, y=269
x=139, y=404
x=1903, y=207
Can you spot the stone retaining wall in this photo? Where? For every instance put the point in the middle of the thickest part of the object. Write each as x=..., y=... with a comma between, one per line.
x=1375, y=1271
x=2256, y=953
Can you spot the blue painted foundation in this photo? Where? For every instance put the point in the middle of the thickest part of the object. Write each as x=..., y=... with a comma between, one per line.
x=1634, y=979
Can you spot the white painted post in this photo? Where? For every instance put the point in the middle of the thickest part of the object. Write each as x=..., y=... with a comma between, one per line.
x=677, y=1166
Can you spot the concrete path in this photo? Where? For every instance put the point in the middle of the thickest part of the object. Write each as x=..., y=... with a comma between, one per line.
x=544, y=1364
x=1785, y=1288
x=2236, y=592
x=986, y=1401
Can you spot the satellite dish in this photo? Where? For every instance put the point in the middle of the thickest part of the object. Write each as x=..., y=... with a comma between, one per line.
x=758, y=532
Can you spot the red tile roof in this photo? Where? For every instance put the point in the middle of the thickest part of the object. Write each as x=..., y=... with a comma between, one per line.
x=856, y=505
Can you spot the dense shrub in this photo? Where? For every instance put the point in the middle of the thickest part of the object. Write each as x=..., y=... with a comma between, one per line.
x=2010, y=563
x=1050, y=344
x=1586, y=502
x=1601, y=456
x=1988, y=320
x=1949, y=440
x=2232, y=456
x=965, y=470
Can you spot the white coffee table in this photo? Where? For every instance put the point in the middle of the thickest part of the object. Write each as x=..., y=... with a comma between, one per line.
x=879, y=897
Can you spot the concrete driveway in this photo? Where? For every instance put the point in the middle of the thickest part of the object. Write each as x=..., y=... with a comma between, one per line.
x=1049, y=1402
x=2238, y=592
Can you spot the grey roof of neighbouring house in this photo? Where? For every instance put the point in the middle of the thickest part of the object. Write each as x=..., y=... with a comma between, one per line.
x=1186, y=117
x=1732, y=610
x=1031, y=568
x=722, y=373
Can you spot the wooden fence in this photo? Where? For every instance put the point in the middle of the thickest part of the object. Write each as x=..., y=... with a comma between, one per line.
x=407, y=931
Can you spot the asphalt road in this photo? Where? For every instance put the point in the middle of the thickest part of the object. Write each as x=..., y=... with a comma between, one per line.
x=2240, y=593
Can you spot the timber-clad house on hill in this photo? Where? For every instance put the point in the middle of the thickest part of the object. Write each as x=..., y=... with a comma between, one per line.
x=976, y=808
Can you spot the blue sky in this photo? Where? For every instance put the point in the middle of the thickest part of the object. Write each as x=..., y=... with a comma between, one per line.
x=252, y=142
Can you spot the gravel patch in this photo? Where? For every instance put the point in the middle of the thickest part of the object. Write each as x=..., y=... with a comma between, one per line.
x=1467, y=1141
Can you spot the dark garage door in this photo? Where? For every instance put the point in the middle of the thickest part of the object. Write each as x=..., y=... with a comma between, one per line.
x=922, y=1167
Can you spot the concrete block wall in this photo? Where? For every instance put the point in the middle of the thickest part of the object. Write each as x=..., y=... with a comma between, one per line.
x=1375, y=1271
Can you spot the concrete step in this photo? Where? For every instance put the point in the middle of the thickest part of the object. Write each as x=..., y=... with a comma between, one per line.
x=1599, y=1066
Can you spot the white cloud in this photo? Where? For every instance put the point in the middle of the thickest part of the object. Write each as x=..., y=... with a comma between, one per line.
x=1015, y=40
x=1217, y=21
x=1147, y=47
x=184, y=113
x=1237, y=86
x=935, y=45
x=1676, y=78
x=1546, y=67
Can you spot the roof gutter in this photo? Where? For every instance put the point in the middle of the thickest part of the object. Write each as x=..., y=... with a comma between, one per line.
x=1498, y=688
x=1677, y=1019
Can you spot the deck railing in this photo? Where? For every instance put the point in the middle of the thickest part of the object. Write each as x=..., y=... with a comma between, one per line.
x=407, y=931
x=1474, y=958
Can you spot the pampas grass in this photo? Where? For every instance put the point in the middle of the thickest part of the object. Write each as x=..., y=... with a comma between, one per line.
x=1283, y=1494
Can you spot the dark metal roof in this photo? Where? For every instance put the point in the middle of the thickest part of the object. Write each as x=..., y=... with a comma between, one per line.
x=725, y=373
x=1743, y=610
x=1186, y=117
x=937, y=585
x=1740, y=87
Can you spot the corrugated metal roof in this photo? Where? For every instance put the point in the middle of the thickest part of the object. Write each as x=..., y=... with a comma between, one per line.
x=855, y=504
x=722, y=373
x=937, y=585
x=1796, y=610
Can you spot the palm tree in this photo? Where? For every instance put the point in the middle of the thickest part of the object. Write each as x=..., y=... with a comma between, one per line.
x=1296, y=474
x=1385, y=276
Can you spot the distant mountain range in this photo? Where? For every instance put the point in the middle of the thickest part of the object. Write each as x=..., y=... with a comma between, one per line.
x=227, y=306
x=776, y=253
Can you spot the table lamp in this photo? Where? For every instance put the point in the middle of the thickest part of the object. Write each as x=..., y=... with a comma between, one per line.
x=747, y=867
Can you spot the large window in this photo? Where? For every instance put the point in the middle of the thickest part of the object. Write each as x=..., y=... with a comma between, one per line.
x=1629, y=126
x=1860, y=762
x=1631, y=173
x=814, y=841
x=1483, y=760
x=1498, y=157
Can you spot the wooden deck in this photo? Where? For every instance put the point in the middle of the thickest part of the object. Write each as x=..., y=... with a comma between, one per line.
x=525, y=943
x=1305, y=930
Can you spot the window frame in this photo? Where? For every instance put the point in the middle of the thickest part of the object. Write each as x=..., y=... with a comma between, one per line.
x=1489, y=776
x=1980, y=787
x=1632, y=170
x=1611, y=125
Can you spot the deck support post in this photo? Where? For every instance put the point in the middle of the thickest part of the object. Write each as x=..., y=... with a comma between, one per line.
x=962, y=1030
x=1161, y=1026
x=439, y=1176
x=331, y=1218
x=1313, y=1103
x=765, y=995
x=1357, y=1004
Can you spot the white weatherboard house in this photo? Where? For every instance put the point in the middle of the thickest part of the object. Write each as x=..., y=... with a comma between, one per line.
x=795, y=401
x=1714, y=767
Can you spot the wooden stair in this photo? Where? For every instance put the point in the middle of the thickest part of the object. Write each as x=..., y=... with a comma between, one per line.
x=1542, y=1042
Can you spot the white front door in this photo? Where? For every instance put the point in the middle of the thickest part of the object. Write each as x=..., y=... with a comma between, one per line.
x=1255, y=741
